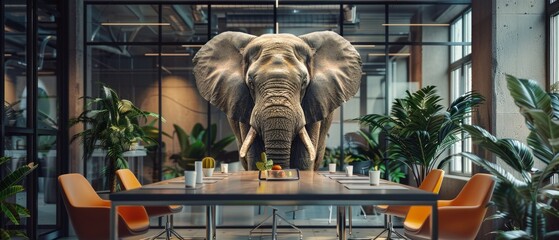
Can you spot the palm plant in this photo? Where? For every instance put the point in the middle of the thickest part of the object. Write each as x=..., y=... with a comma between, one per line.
x=419, y=131
x=112, y=124
x=9, y=188
x=522, y=198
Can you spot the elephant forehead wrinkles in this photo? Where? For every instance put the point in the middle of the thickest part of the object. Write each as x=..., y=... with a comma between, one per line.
x=278, y=101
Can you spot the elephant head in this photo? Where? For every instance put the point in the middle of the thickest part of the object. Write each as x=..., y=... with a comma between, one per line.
x=278, y=91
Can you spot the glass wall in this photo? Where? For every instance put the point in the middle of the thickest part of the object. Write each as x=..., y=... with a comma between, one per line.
x=144, y=51
x=31, y=114
x=554, y=53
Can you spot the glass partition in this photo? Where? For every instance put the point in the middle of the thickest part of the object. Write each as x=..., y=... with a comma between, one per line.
x=251, y=19
x=152, y=67
x=15, y=64
x=301, y=19
x=363, y=23
x=554, y=53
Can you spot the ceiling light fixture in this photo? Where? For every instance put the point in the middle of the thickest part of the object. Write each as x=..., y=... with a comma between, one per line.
x=415, y=24
x=134, y=24
x=7, y=54
x=390, y=54
x=166, y=54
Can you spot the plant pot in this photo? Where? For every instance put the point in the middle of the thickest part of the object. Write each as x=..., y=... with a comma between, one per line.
x=374, y=177
x=208, y=172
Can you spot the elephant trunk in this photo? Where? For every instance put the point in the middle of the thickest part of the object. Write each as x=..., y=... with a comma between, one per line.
x=278, y=133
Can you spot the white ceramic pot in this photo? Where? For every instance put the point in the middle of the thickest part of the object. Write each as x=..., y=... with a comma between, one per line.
x=374, y=177
x=208, y=172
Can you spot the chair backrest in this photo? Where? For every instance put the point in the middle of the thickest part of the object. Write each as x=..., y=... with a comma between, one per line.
x=476, y=192
x=127, y=179
x=453, y=224
x=433, y=181
x=77, y=191
x=89, y=213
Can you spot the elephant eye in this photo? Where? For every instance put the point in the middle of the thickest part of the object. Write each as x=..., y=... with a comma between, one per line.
x=304, y=80
x=251, y=83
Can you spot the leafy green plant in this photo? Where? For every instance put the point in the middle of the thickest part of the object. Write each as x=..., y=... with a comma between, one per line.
x=366, y=146
x=522, y=198
x=193, y=148
x=420, y=131
x=9, y=187
x=331, y=155
x=111, y=124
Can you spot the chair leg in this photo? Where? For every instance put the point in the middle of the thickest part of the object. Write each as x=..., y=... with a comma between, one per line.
x=390, y=229
x=275, y=216
x=168, y=231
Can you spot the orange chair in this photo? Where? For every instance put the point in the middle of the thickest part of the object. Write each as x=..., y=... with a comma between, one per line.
x=431, y=183
x=89, y=213
x=129, y=181
x=459, y=218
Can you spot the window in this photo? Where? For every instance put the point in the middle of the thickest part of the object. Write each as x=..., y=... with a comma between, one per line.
x=461, y=81
x=554, y=53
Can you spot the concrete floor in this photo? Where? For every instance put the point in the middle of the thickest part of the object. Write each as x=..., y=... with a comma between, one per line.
x=242, y=234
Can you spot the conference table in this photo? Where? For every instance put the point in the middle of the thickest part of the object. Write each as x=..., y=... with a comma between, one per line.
x=245, y=188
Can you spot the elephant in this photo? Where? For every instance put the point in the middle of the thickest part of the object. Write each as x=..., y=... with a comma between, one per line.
x=278, y=91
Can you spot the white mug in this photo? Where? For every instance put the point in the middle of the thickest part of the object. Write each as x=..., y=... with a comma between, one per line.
x=332, y=167
x=349, y=170
x=199, y=173
x=224, y=168
x=190, y=179
x=374, y=178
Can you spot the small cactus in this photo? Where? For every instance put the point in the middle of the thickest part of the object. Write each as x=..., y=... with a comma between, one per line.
x=264, y=163
x=208, y=162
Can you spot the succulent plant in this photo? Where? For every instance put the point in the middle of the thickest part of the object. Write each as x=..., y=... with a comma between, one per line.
x=264, y=163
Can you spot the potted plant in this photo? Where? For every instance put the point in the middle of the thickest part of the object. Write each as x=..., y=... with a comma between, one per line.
x=420, y=131
x=9, y=187
x=361, y=151
x=13, y=117
x=111, y=124
x=193, y=148
x=522, y=196
x=366, y=152
x=331, y=155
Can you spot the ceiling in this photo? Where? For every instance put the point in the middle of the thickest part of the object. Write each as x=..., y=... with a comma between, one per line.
x=188, y=24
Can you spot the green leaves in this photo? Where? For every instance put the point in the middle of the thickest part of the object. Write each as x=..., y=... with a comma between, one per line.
x=112, y=124
x=8, y=188
x=521, y=197
x=264, y=164
x=194, y=146
x=420, y=130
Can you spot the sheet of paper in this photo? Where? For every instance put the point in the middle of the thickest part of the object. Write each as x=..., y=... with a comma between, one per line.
x=349, y=178
x=214, y=178
x=358, y=181
x=369, y=187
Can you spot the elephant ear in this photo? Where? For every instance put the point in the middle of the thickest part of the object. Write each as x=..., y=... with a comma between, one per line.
x=219, y=73
x=335, y=74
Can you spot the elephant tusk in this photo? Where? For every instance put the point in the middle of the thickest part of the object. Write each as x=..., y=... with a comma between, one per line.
x=251, y=135
x=308, y=143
